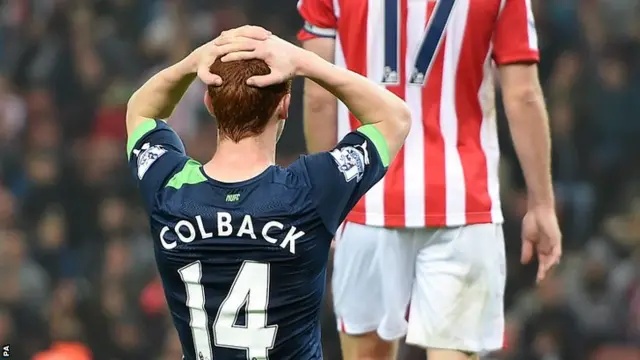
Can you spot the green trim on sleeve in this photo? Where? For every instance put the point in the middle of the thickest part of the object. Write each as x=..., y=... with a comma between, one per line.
x=141, y=130
x=189, y=175
x=378, y=140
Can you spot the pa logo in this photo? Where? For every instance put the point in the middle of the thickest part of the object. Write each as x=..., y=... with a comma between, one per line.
x=6, y=353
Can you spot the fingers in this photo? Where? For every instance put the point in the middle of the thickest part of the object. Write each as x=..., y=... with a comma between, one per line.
x=254, y=32
x=556, y=255
x=544, y=266
x=207, y=77
x=243, y=49
x=527, y=252
x=242, y=45
x=223, y=40
x=547, y=261
x=207, y=54
x=247, y=31
x=221, y=43
x=239, y=45
x=265, y=80
x=549, y=248
x=530, y=236
x=240, y=55
x=242, y=39
x=203, y=70
x=542, y=273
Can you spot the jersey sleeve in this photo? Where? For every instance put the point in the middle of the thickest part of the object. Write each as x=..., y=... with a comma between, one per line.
x=515, y=38
x=319, y=19
x=154, y=152
x=339, y=178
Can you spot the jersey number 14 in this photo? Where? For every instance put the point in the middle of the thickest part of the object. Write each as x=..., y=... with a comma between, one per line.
x=250, y=289
x=433, y=35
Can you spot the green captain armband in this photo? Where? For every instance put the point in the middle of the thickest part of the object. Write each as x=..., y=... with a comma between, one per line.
x=141, y=130
x=371, y=132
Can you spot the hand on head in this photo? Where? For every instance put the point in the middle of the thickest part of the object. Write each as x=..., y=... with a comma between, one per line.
x=244, y=43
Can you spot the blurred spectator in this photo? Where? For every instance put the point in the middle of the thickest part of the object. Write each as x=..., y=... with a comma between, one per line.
x=12, y=115
x=552, y=331
x=594, y=297
x=25, y=283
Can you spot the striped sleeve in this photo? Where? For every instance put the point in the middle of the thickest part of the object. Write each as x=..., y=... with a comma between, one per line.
x=515, y=38
x=319, y=17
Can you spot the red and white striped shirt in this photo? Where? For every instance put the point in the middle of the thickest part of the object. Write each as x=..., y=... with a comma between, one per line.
x=437, y=55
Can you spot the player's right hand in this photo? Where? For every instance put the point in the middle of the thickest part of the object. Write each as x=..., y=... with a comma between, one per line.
x=281, y=56
x=541, y=234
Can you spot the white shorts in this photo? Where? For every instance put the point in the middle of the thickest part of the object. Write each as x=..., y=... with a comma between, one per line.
x=454, y=279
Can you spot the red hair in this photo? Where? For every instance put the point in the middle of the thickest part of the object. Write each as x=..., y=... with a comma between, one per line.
x=242, y=110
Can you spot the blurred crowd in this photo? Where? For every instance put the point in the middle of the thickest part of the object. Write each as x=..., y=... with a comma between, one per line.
x=77, y=275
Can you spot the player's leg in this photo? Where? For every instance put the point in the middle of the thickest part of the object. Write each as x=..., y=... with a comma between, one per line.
x=367, y=346
x=457, y=299
x=361, y=286
x=440, y=354
x=356, y=278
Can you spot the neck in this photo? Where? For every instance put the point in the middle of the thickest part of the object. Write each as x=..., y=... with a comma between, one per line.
x=243, y=160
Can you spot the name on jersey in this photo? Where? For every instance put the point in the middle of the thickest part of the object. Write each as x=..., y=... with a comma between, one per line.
x=186, y=231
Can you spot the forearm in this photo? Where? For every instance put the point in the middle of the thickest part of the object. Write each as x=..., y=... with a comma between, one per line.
x=320, y=106
x=370, y=103
x=320, y=118
x=529, y=125
x=158, y=97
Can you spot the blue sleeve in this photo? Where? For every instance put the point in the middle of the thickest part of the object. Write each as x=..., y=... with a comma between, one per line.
x=339, y=178
x=155, y=152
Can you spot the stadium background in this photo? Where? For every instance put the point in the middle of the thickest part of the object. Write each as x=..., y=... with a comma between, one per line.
x=77, y=270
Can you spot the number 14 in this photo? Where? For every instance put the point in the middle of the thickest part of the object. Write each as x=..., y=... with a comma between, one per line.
x=251, y=290
x=433, y=34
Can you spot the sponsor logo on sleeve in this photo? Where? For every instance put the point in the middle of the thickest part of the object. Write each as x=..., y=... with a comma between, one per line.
x=146, y=156
x=351, y=161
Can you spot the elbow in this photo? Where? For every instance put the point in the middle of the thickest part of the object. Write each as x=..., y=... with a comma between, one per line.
x=132, y=112
x=132, y=104
x=520, y=85
x=319, y=105
x=403, y=119
x=523, y=95
x=138, y=106
x=319, y=101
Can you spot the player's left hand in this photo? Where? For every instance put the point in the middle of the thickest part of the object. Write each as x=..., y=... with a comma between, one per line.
x=207, y=54
x=541, y=234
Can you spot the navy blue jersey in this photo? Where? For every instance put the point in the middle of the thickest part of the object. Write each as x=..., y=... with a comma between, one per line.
x=243, y=264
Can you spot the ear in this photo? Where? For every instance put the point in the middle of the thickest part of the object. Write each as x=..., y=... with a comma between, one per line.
x=283, y=107
x=207, y=103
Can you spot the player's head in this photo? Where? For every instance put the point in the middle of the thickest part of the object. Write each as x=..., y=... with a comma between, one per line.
x=244, y=111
